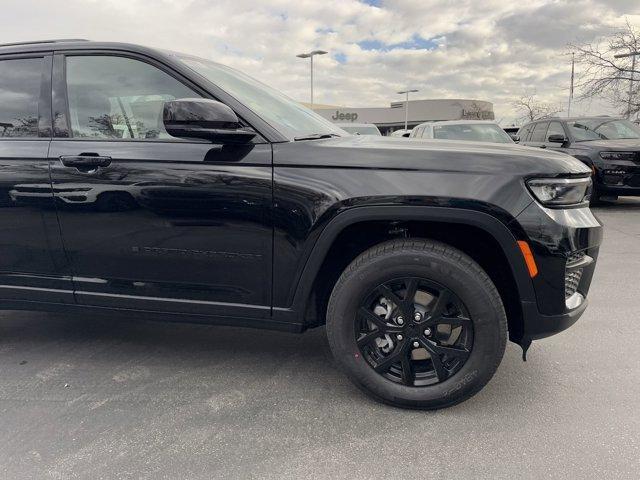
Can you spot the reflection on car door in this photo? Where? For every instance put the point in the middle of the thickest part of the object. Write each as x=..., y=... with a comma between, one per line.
x=155, y=223
x=32, y=265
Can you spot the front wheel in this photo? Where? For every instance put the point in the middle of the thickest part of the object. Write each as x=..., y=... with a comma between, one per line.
x=416, y=324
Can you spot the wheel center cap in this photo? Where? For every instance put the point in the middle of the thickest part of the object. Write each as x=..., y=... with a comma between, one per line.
x=412, y=329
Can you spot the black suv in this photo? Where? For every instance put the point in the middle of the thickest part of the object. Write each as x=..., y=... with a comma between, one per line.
x=164, y=186
x=609, y=146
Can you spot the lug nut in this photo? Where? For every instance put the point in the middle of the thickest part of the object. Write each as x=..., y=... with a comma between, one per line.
x=399, y=337
x=416, y=344
x=400, y=320
x=427, y=331
x=417, y=317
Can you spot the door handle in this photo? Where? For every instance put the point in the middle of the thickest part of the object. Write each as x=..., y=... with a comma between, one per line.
x=85, y=161
x=543, y=146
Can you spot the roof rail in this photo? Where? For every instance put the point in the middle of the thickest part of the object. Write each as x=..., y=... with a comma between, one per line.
x=60, y=40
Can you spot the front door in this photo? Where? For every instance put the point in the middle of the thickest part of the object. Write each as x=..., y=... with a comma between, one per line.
x=149, y=221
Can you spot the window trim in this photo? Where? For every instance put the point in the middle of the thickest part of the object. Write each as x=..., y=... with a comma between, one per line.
x=44, y=99
x=61, y=99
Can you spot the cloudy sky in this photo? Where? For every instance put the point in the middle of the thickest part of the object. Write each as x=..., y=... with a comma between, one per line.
x=492, y=50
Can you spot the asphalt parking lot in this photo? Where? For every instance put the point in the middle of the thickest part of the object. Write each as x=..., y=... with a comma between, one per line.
x=100, y=398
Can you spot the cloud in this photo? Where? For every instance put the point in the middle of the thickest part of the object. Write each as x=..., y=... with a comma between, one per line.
x=484, y=49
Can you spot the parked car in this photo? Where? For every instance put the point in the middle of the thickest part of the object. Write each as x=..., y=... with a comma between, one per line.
x=609, y=146
x=401, y=133
x=466, y=130
x=360, y=128
x=245, y=208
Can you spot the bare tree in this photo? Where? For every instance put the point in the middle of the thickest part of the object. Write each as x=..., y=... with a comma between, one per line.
x=530, y=108
x=601, y=74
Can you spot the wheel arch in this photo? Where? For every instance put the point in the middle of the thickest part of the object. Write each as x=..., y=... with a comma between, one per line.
x=364, y=218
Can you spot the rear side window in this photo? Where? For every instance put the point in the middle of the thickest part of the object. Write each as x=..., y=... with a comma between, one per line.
x=523, y=133
x=119, y=98
x=20, y=81
x=539, y=132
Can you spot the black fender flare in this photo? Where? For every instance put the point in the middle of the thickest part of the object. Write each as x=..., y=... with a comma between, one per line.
x=486, y=222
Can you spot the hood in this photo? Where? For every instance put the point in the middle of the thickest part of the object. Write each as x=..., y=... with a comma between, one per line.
x=632, y=144
x=443, y=155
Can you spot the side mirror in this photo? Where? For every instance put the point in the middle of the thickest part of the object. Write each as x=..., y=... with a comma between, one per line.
x=204, y=119
x=514, y=137
x=556, y=138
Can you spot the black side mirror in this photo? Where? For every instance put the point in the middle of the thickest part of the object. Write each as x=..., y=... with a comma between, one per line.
x=204, y=119
x=556, y=138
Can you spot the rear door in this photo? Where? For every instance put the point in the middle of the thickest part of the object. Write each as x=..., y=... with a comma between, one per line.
x=32, y=264
x=150, y=221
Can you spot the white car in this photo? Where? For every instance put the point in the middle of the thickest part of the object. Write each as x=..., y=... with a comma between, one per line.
x=360, y=128
x=469, y=130
x=401, y=133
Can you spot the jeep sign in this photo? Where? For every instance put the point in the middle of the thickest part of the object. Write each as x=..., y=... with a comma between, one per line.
x=349, y=117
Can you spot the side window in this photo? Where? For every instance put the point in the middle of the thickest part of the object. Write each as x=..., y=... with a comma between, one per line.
x=555, y=128
x=119, y=98
x=20, y=81
x=523, y=133
x=539, y=131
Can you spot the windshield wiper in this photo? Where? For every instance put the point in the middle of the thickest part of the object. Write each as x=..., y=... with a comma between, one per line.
x=315, y=136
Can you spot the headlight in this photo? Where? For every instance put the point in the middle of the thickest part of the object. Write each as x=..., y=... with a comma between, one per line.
x=560, y=191
x=618, y=155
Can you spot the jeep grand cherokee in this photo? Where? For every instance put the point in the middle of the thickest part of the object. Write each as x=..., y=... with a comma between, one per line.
x=158, y=185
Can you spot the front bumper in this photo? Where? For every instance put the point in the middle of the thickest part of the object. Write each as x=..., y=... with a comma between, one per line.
x=564, y=242
x=537, y=325
x=618, y=191
x=621, y=180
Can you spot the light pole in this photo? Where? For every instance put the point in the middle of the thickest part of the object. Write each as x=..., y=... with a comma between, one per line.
x=311, y=55
x=406, y=105
x=631, y=79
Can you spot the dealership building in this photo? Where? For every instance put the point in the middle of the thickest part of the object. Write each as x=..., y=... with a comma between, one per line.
x=391, y=118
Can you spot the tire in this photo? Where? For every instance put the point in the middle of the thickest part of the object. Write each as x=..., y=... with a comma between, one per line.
x=443, y=267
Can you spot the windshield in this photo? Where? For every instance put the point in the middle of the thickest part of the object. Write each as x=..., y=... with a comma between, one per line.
x=475, y=132
x=599, y=129
x=361, y=129
x=284, y=114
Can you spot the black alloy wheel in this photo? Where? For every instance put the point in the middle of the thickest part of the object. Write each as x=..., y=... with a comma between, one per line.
x=414, y=331
x=416, y=323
